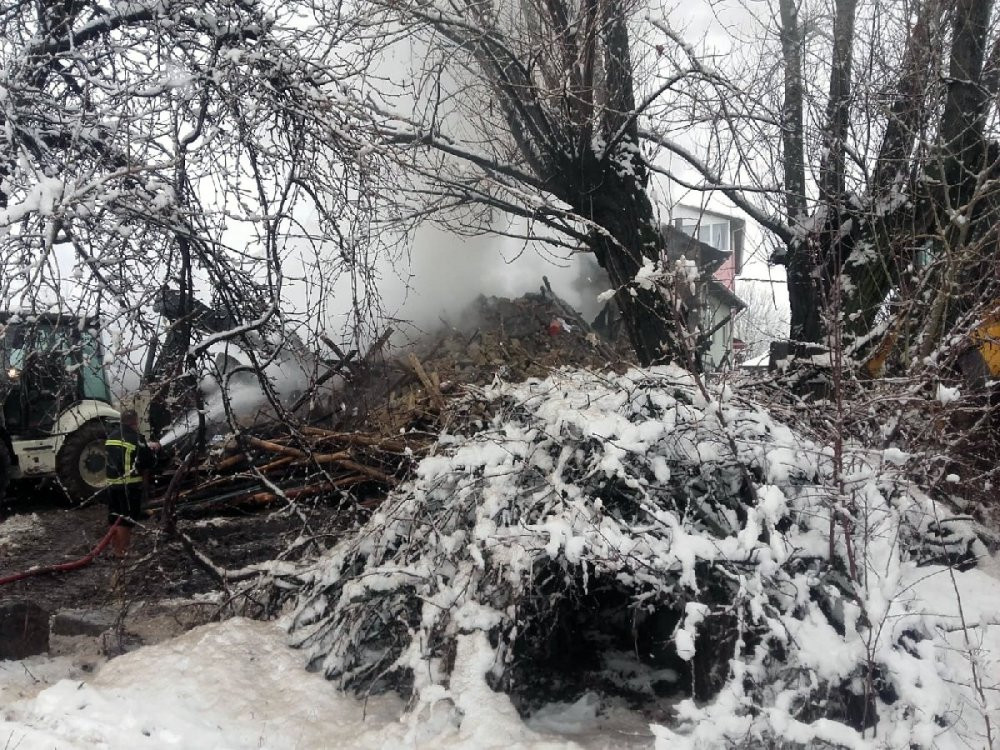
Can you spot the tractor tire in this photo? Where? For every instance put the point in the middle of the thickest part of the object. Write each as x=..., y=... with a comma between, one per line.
x=81, y=462
x=6, y=467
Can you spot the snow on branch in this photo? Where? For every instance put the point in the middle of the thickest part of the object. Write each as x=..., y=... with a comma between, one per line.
x=599, y=521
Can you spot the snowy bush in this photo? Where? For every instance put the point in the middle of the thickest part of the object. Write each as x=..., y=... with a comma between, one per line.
x=637, y=535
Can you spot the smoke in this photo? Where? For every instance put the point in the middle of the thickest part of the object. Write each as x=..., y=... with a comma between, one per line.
x=244, y=402
x=589, y=282
x=447, y=272
x=444, y=274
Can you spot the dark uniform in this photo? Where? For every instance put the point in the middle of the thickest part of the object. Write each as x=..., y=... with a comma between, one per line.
x=128, y=458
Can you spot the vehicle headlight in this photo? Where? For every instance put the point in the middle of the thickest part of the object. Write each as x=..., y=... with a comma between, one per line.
x=13, y=373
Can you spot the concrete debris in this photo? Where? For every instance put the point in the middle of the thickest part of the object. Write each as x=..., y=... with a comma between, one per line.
x=24, y=629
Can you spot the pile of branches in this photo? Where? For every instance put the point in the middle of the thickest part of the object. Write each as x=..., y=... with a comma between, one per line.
x=265, y=466
x=645, y=535
x=391, y=407
x=510, y=339
x=949, y=422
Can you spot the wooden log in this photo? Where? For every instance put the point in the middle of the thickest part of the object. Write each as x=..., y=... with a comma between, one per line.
x=279, y=463
x=191, y=494
x=373, y=473
x=345, y=359
x=393, y=444
x=328, y=458
x=432, y=390
x=293, y=493
x=273, y=447
x=377, y=346
x=230, y=462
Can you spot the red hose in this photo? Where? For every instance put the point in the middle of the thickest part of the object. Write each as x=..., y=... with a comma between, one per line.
x=67, y=566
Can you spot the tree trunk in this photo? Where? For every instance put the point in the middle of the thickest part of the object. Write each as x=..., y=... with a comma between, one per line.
x=805, y=299
x=653, y=325
x=964, y=163
x=612, y=193
x=800, y=259
x=962, y=145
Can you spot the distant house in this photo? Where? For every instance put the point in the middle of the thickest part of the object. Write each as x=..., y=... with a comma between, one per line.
x=717, y=302
x=713, y=242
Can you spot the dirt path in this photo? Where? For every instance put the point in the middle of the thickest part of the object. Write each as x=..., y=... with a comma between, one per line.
x=42, y=531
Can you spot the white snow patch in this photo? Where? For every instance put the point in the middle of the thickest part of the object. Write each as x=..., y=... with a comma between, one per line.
x=946, y=395
x=17, y=530
x=237, y=685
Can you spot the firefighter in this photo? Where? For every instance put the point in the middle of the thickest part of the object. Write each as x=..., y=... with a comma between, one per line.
x=129, y=457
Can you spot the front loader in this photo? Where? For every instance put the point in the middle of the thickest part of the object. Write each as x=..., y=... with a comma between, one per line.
x=56, y=402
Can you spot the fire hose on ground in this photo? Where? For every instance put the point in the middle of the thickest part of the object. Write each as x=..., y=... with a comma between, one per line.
x=66, y=566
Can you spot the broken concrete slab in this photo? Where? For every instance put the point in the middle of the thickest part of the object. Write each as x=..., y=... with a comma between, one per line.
x=24, y=629
x=83, y=621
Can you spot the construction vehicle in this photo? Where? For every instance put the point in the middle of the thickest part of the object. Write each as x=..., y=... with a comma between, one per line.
x=56, y=402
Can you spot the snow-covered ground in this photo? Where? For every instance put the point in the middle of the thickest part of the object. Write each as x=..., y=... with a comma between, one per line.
x=236, y=684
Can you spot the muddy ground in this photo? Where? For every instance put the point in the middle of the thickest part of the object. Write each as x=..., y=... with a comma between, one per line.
x=43, y=531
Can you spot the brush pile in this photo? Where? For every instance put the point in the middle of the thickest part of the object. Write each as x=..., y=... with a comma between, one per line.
x=505, y=339
x=531, y=534
x=641, y=536
x=314, y=462
x=392, y=406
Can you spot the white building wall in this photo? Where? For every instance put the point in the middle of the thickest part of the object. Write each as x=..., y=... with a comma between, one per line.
x=719, y=353
x=715, y=230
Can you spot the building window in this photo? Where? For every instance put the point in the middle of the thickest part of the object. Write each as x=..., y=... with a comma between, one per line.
x=715, y=234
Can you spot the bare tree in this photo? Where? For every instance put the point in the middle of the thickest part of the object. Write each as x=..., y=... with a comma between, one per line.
x=527, y=109
x=180, y=144
x=871, y=170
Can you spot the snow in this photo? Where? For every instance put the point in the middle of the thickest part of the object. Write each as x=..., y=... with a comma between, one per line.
x=761, y=360
x=69, y=658
x=946, y=395
x=41, y=198
x=236, y=684
x=895, y=456
x=648, y=274
x=17, y=531
x=532, y=492
x=685, y=636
